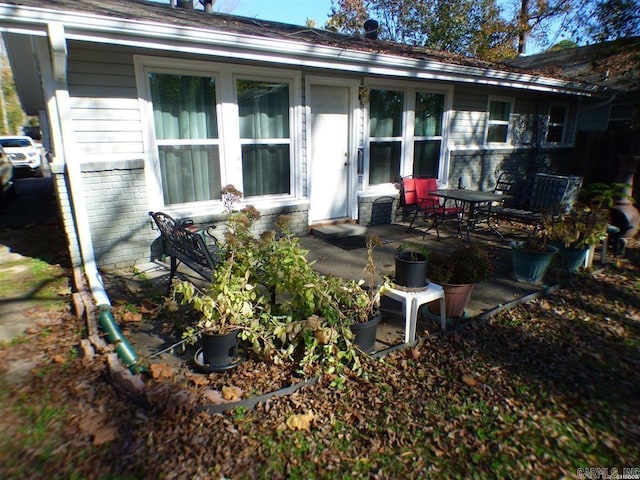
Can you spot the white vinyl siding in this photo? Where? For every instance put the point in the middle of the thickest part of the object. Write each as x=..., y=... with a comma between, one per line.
x=467, y=120
x=105, y=111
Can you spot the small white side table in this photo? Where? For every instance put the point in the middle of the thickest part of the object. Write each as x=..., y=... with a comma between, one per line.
x=412, y=300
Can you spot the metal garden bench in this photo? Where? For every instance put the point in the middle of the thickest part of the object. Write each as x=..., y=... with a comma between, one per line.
x=533, y=196
x=196, y=248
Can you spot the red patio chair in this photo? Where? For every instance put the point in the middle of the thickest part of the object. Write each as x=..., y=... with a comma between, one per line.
x=432, y=206
x=408, y=197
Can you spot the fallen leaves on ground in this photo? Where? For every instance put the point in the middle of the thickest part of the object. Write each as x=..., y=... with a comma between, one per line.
x=300, y=421
x=160, y=371
x=536, y=391
x=231, y=393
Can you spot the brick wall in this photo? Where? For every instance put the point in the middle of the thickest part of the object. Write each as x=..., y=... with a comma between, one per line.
x=374, y=210
x=481, y=169
x=298, y=213
x=120, y=225
x=66, y=213
x=117, y=208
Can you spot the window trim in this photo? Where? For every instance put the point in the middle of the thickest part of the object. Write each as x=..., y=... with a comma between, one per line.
x=401, y=138
x=409, y=90
x=564, y=124
x=489, y=122
x=250, y=75
x=418, y=138
x=229, y=141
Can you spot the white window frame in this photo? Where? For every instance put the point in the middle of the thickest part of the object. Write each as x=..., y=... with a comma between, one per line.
x=230, y=150
x=409, y=90
x=402, y=138
x=429, y=137
x=186, y=142
x=489, y=122
x=563, y=124
x=265, y=141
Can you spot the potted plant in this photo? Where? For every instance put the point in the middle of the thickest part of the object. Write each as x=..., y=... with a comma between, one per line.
x=228, y=304
x=457, y=271
x=575, y=232
x=585, y=226
x=306, y=318
x=366, y=303
x=531, y=258
x=411, y=265
x=354, y=304
x=233, y=299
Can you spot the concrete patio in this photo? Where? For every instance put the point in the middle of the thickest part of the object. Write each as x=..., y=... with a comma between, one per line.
x=332, y=260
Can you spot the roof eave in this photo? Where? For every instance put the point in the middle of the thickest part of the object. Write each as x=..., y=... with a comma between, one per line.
x=159, y=36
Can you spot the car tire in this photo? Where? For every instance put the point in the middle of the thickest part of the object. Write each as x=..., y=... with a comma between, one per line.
x=39, y=172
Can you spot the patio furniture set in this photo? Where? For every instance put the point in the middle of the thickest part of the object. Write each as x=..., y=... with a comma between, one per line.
x=198, y=249
x=516, y=197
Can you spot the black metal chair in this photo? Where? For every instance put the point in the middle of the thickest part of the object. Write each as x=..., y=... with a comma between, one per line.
x=186, y=244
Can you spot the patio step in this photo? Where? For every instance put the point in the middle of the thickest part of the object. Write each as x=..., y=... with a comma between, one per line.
x=338, y=230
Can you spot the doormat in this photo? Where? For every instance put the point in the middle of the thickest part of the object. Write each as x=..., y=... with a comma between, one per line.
x=352, y=242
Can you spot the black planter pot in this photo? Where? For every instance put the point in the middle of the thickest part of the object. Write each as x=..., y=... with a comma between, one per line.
x=411, y=269
x=365, y=334
x=219, y=352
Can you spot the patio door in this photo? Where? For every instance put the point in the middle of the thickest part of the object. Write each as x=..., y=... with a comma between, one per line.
x=332, y=165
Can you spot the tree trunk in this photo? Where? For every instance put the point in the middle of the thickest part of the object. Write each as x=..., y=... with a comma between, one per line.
x=523, y=32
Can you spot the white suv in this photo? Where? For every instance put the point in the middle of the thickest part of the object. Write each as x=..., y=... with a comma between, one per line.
x=23, y=153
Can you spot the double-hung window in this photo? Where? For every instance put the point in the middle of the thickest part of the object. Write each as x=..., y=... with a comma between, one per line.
x=265, y=137
x=427, y=134
x=196, y=156
x=386, y=112
x=556, y=124
x=405, y=133
x=186, y=127
x=498, y=120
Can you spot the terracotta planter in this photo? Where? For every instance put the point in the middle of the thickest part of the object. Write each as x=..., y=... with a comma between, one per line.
x=365, y=334
x=411, y=269
x=456, y=299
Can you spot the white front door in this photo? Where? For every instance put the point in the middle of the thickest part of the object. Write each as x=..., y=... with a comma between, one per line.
x=330, y=152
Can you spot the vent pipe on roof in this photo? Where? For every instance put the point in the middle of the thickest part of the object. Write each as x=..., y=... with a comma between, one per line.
x=186, y=4
x=371, y=29
x=208, y=5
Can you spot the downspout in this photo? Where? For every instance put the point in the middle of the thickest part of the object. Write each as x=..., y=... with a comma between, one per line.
x=57, y=42
x=58, y=46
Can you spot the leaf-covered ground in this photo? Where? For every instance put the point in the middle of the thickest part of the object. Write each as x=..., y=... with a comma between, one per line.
x=537, y=391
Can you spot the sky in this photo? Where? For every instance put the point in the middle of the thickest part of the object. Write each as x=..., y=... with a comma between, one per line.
x=294, y=12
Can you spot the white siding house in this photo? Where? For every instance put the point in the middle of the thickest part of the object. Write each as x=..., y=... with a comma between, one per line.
x=146, y=107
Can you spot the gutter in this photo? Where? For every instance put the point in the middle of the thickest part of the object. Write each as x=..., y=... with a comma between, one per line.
x=604, y=103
